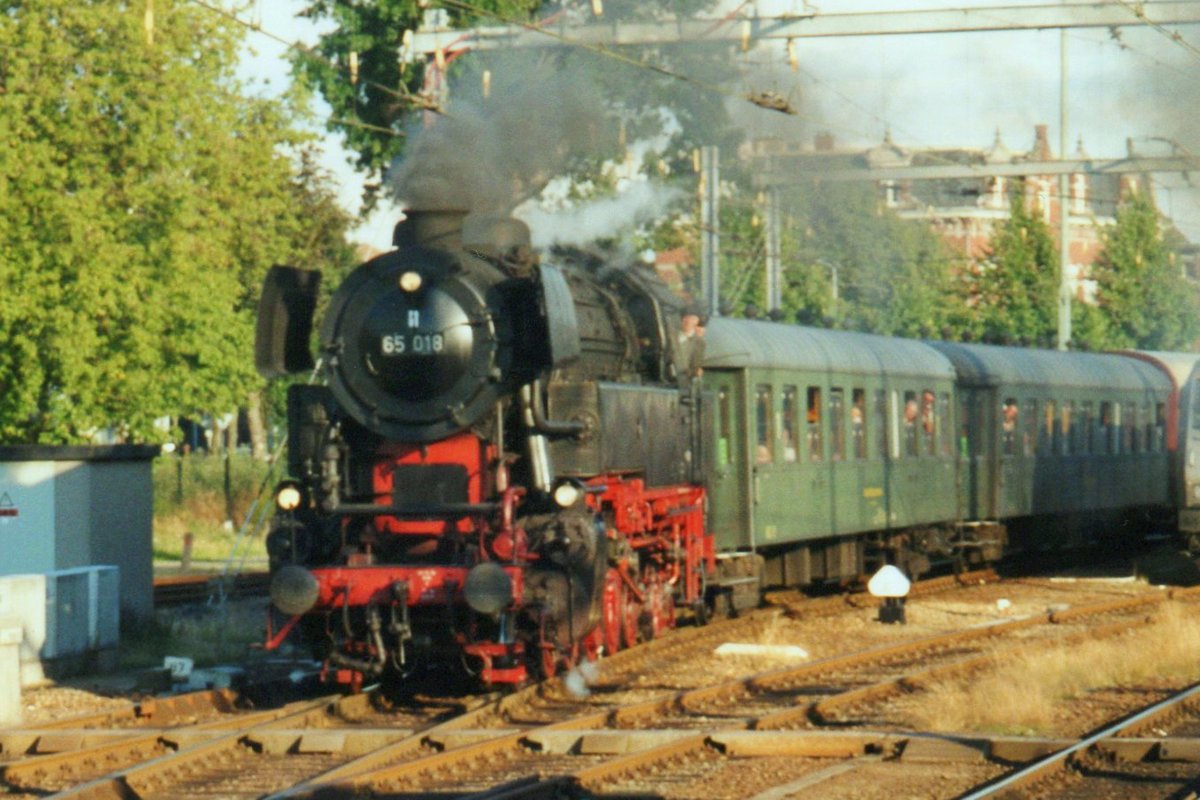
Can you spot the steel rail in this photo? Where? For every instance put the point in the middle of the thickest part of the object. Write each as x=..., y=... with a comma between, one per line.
x=1041, y=768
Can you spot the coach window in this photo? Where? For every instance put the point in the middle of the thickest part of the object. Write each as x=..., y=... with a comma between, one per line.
x=816, y=448
x=1144, y=418
x=881, y=436
x=858, y=421
x=1029, y=426
x=791, y=420
x=764, y=449
x=964, y=426
x=724, y=423
x=945, y=431
x=1104, y=429
x=929, y=422
x=1160, y=427
x=837, y=424
x=911, y=412
x=1068, y=430
x=1128, y=421
x=1086, y=424
x=1133, y=434
x=1009, y=419
x=1049, y=429
x=1115, y=429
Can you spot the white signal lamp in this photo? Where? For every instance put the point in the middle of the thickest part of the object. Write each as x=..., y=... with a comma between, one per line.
x=410, y=281
x=288, y=498
x=889, y=581
x=567, y=494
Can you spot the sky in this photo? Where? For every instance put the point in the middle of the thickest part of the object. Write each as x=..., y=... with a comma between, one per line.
x=931, y=90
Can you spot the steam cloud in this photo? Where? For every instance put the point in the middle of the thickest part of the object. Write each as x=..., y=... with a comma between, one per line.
x=487, y=155
x=599, y=218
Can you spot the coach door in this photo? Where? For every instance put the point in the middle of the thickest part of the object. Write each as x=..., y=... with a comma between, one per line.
x=729, y=511
x=1015, y=457
x=977, y=470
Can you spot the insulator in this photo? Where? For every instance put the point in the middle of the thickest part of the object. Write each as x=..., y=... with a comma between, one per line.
x=353, y=67
x=793, y=59
x=487, y=83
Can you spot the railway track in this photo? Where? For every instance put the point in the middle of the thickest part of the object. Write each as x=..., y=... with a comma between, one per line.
x=678, y=738
x=179, y=590
x=769, y=735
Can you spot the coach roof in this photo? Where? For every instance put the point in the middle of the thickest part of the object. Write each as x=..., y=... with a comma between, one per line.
x=736, y=343
x=991, y=365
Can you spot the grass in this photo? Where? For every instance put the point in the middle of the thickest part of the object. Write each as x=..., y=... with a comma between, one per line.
x=208, y=635
x=189, y=497
x=1030, y=694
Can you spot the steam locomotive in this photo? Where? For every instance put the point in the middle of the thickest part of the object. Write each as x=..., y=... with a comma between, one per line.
x=500, y=471
x=512, y=465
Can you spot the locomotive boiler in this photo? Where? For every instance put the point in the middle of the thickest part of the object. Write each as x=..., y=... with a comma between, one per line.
x=499, y=468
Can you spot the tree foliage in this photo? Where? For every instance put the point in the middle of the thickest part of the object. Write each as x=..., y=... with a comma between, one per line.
x=141, y=199
x=1141, y=295
x=1015, y=290
x=893, y=276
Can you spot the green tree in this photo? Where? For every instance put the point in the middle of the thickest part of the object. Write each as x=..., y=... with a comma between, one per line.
x=141, y=198
x=894, y=275
x=1145, y=301
x=1015, y=289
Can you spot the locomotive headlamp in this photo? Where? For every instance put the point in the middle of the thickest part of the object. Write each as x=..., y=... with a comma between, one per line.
x=488, y=588
x=567, y=494
x=410, y=281
x=294, y=590
x=288, y=497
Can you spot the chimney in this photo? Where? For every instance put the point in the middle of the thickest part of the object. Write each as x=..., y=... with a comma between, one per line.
x=429, y=228
x=823, y=142
x=1041, y=144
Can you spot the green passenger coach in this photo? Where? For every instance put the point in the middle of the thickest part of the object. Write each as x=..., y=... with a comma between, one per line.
x=831, y=451
x=1078, y=436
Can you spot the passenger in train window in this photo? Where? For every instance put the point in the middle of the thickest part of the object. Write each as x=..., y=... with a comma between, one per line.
x=910, y=423
x=858, y=421
x=1008, y=426
x=929, y=420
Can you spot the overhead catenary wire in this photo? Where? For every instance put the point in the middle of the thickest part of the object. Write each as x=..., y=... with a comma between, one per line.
x=1139, y=11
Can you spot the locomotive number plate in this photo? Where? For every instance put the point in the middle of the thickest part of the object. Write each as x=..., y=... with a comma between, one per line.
x=419, y=343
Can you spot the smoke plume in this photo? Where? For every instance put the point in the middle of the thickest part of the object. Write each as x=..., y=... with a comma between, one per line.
x=488, y=154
